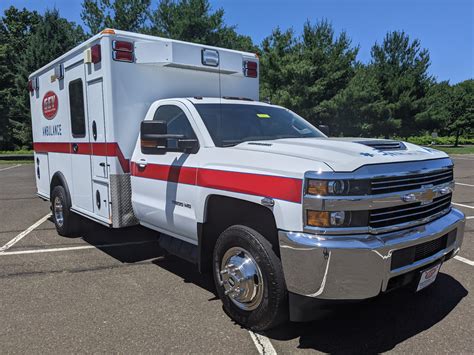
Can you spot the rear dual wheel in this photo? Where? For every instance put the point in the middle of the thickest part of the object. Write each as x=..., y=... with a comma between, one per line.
x=249, y=279
x=65, y=220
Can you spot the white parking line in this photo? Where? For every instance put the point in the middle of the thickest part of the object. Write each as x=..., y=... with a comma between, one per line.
x=24, y=234
x=464, y=260
x=262, y=343
x=461, y=205
x=463, y=184
x=11, y=167
x=82, y=247
x=470, y=217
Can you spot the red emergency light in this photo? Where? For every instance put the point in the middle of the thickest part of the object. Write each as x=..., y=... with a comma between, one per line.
x=250, y=69
x=123, y=51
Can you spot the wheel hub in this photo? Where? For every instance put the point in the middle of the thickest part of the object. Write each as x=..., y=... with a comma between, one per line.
x=241, y=278
x=58, y=211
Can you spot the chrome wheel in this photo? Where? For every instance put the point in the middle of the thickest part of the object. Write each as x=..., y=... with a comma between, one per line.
x=58, y=210
x=241, y=278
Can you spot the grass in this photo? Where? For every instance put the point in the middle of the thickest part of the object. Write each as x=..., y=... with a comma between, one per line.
x=467, y=149
x=14, y=162
x=15, y=152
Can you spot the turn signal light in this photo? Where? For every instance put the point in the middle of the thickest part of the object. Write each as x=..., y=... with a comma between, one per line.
x=317, y=218
x=317, y=187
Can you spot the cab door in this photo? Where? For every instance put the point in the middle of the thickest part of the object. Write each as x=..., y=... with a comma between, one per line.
x=164, y=186
x=80, y=143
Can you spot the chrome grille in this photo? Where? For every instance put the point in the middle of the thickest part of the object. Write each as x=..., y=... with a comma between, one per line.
x=410, y=182
x=389, y=216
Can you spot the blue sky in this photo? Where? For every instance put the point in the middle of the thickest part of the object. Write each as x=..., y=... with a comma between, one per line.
x=445, y=27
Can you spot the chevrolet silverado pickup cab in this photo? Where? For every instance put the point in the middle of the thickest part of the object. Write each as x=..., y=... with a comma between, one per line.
x=133, y=129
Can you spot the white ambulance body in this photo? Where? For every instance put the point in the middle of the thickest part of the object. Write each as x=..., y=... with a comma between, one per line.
x=87, y=106
x=130, y=129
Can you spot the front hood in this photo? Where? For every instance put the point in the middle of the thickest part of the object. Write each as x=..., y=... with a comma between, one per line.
x=342, y=155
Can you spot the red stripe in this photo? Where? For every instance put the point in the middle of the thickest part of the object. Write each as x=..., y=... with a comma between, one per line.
x=281, y=188
x=179, y=174
x=97, y=149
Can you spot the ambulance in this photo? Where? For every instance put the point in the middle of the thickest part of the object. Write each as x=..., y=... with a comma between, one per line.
x=134, y=129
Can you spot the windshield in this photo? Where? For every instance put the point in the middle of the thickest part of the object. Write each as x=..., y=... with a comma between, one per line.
x=231, y=124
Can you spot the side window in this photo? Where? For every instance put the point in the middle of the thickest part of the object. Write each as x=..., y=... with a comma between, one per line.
x=176, y=120
x=76, y=103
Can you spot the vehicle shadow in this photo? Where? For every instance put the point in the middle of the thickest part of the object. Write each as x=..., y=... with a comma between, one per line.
x=127, y=245
x=136, y=244
x=376, y=325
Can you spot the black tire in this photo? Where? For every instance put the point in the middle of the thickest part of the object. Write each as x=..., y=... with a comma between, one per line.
x=67, y=227
x=273, y=307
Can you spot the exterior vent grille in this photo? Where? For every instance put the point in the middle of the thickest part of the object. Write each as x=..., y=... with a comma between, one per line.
x=384, y=145
x=410, y=182
x=410, y=255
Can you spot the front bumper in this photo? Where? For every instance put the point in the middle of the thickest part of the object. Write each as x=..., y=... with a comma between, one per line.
x=355, y=267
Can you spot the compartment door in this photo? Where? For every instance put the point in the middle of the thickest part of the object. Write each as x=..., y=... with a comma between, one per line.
x=95, y=107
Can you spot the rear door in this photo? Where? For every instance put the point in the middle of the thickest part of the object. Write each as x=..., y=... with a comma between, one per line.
x=80, y=143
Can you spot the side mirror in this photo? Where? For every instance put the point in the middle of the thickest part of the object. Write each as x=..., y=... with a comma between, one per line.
x=156, y=140
x=324, y=128
x=153, y=137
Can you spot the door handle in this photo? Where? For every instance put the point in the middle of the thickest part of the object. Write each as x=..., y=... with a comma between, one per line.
x=142, y=163
x=75, y=147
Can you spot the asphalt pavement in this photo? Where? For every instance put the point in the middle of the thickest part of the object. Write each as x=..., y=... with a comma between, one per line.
x=115, y=291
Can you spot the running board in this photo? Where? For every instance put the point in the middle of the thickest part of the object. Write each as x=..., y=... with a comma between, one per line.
x=179, y=248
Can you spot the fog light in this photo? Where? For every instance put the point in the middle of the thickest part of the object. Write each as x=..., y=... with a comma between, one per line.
x=337, y=218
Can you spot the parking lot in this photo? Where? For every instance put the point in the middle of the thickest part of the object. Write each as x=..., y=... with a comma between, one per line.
x=113, y=291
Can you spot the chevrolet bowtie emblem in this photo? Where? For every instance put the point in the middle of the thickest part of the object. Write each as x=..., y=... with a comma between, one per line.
x=427, y=196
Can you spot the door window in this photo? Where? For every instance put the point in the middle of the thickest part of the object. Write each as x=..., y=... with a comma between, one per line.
x=176, y=121
x=76, y=104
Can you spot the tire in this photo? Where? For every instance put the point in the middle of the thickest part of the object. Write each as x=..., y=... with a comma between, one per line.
x=64, y=220
x=267, y=305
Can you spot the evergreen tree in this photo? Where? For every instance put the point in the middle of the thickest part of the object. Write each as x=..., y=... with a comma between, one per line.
x=16, y=27
x=52, y=37
x=401, y=69
x=307, y=72
x=126, y=15
x=194, y=21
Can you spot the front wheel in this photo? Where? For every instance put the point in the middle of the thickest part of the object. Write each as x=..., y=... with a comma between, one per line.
x=249, y=279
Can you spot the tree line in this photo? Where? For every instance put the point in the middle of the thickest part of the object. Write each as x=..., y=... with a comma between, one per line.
x=316, y=74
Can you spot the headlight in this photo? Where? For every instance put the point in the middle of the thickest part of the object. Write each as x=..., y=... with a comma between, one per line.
x=334, y=219
x=337, y=187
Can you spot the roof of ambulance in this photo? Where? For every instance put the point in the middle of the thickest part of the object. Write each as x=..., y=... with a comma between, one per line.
x=132, y=35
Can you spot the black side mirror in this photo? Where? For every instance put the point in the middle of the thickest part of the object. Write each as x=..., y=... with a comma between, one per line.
x=324, y=128
x=156, y=140
x=153, y=137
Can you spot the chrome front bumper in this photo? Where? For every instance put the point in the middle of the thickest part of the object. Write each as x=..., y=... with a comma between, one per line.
x=349, y=267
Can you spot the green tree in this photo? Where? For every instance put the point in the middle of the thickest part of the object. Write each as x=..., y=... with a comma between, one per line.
x=360, y=109
x=194, y=21
x=5, y=79
x=401, y=69
x=52, y=37
x=126, y=15
x=306, y=73
x=16, y=27
x=461, y=110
